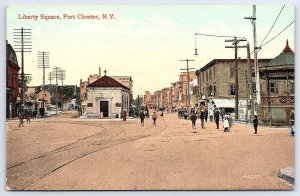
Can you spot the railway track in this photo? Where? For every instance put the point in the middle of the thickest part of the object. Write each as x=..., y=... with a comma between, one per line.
x=24, y=175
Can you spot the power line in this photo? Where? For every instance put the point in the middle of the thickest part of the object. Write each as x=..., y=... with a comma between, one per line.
x=279, y=33
x=259, y=48
x=211, y=35
x=272, y=25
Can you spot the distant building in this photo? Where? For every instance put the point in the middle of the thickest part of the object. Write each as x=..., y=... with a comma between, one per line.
x=183, y=99
x=108, y=97
x=36, y=95
x=12, y=82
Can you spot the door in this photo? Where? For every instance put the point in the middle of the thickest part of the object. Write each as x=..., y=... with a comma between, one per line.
x=104, y=108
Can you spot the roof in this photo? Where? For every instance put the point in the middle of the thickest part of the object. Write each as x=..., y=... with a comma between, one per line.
x=286, y=57
x=11, y=55
x=216, y=61
x=106, y=81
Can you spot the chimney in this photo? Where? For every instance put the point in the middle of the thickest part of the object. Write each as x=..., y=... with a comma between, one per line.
x=99, y=72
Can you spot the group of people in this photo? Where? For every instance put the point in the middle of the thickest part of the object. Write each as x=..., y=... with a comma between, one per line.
x=25, y=114
x=154, y=117
x=202, y=113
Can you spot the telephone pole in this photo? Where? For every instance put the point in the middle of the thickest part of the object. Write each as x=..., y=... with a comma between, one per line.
x=256, y=68
x=249, y=81
x=188, y=82
x=57, y=74
x=22, y=43
x=62, y=78
x=235, y=46
x=43, y=62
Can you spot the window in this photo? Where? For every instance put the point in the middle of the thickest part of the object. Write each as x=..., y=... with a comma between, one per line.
x=206, y=76
x=214, y=72
x=292, y=88
x=211, y=90
x=90, y=105
x=231, y=72
x=202, y=77
x=210, y=74
x=253, y=87
x=232, y=89
x=273, y=87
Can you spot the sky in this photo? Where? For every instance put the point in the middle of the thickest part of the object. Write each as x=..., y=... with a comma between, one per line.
x=146, y=42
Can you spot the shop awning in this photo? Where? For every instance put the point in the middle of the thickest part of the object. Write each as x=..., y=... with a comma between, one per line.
x=227, y=103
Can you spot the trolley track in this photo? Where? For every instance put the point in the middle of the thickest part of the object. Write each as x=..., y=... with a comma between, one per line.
x=26, y=174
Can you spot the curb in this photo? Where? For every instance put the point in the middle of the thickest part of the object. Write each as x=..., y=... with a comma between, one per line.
x=288, y=174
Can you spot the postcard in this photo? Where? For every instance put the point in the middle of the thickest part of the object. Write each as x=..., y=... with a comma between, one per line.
x=150, y=97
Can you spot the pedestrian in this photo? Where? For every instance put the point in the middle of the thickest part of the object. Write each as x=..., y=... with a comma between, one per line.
x=28, y=115
x=210, y=114
x=202, y=117
x=217, y=117
x=154, y=117
x=21, y=117
x=34, y=113
x=292, y=117
x=226, y=124
x=222, y=113
x=193, y=119
x=255, y=124
x=142, y=116
x=205, y=114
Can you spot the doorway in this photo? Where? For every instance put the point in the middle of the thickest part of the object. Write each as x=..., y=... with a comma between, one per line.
x=104, y=108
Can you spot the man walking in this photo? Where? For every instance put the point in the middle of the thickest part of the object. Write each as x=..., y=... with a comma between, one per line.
x=142, y=117
x=154, y=117
x=217, y=117
x=202, y=117
x=255, y=124
x=21, y=117
x=193, y=119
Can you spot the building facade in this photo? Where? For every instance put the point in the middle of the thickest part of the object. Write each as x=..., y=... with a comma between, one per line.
x=12, y=82
x=278, y=88
x=217, y=78
x=107, y=98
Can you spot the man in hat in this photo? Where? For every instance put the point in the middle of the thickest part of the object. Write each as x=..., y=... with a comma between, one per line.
x=217, y=117
x=255, y=124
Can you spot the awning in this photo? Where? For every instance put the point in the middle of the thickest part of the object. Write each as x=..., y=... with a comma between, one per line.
x=227, y=103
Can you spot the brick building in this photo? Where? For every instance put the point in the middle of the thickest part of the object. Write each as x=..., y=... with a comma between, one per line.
x=12, y=81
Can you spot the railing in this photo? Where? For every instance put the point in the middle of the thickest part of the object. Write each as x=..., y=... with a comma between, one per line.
x=278, y=100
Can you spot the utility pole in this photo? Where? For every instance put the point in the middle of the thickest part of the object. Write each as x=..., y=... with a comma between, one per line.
x=188, y=82
x=62, y=77
x=235, y=46
x=50, y=77
x=56, y=74
x=22, y=43
x=256, y=68
x=247, y=95
x=249, y=81
x=171, y=96
x=43, y=62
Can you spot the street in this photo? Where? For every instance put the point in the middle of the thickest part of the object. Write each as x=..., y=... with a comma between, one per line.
x=67, y=153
